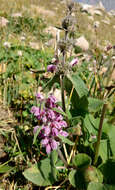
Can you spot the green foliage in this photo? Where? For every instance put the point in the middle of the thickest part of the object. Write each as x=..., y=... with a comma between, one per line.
x=99, y=186
x=5, y=168
x=108, y=171
x=81, y=178
x=44, y=173
x=81, y=160
x=66, y=140
x=94, y=104
x=78, y=84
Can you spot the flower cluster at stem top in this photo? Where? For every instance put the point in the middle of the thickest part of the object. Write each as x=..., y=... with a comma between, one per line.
x=52, y=122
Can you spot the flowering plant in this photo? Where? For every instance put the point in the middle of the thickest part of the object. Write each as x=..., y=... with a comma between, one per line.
x=51, y=121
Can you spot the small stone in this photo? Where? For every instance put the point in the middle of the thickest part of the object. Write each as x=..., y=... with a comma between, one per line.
x=3, y=21
x=96, y=24
x=82, y=43
x=106, y=21
x=16, y=15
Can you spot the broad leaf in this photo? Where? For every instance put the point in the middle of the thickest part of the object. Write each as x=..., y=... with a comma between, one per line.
x=100, y=186
x=94, y=104
x=108, y=171
x=41, y=174
x=5, y=168
x=76, y=179
x=103, y=152
x=109, y=130
x=92, y=173
x=78, y=84
x=81, y=160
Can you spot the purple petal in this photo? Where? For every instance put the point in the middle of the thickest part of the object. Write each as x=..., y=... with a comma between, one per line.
x=51, y=101
x=56, y=124
x=39, y=96
x=50, y=114
x=63, y=133
x=45, y=141
x=63, y=123
x=35, y=129
x=59, y=118
x=55, y=132
x=54, y=144
x=73, y=62
x=48, y=148
x=51, y=68
x=47, y=130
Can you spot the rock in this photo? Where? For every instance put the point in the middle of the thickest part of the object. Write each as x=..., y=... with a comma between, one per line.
x=52, y=30
x=50, y=43
x=96, y=24
x=16, y=15
x=97, y=12
x=3, y=21
x=82, y=43
x=7, y=44
x=106, y=21
x=92, y=10
x=113, y=26
x=34, y=45
x=100, y=6
x=91, y=18
x=85, y=7
x=112, y=13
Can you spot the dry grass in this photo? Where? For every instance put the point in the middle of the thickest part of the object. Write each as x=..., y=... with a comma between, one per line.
x=53, y=12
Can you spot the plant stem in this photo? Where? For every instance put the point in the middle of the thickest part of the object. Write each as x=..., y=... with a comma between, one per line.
x=62, y=158
x=62, y=92
x=99, y=133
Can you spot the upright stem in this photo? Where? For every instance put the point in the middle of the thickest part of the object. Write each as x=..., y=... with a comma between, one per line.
x=62, y=158
x=99, y=133
x=62, y=92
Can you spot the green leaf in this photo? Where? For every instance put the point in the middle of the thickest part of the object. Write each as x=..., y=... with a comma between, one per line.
x=76, y=179
x=92, y=173
x=65, y=140
x=5, y=168
x=103, y=151
x=91, y=124
x=78, y=84
x=96, y=186
x=36, y=134
x=100, y=186
x=108, y=171
x=81, y=160
x=41, y=174
x=94, y=104
x=59, y=111
x=110, y=132
x=54, y=157
x=50, y=83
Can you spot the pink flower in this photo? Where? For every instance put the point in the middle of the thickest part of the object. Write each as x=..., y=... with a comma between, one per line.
x=35, y=129
x=51, y=121
x=39, y=96
x=63, y=133
x=47, y=130
x=54, y=144
x=73, y=62
x=48, y=148
x=55, y=132
x=63, y=123
x=51, y=68
x=45, y=141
